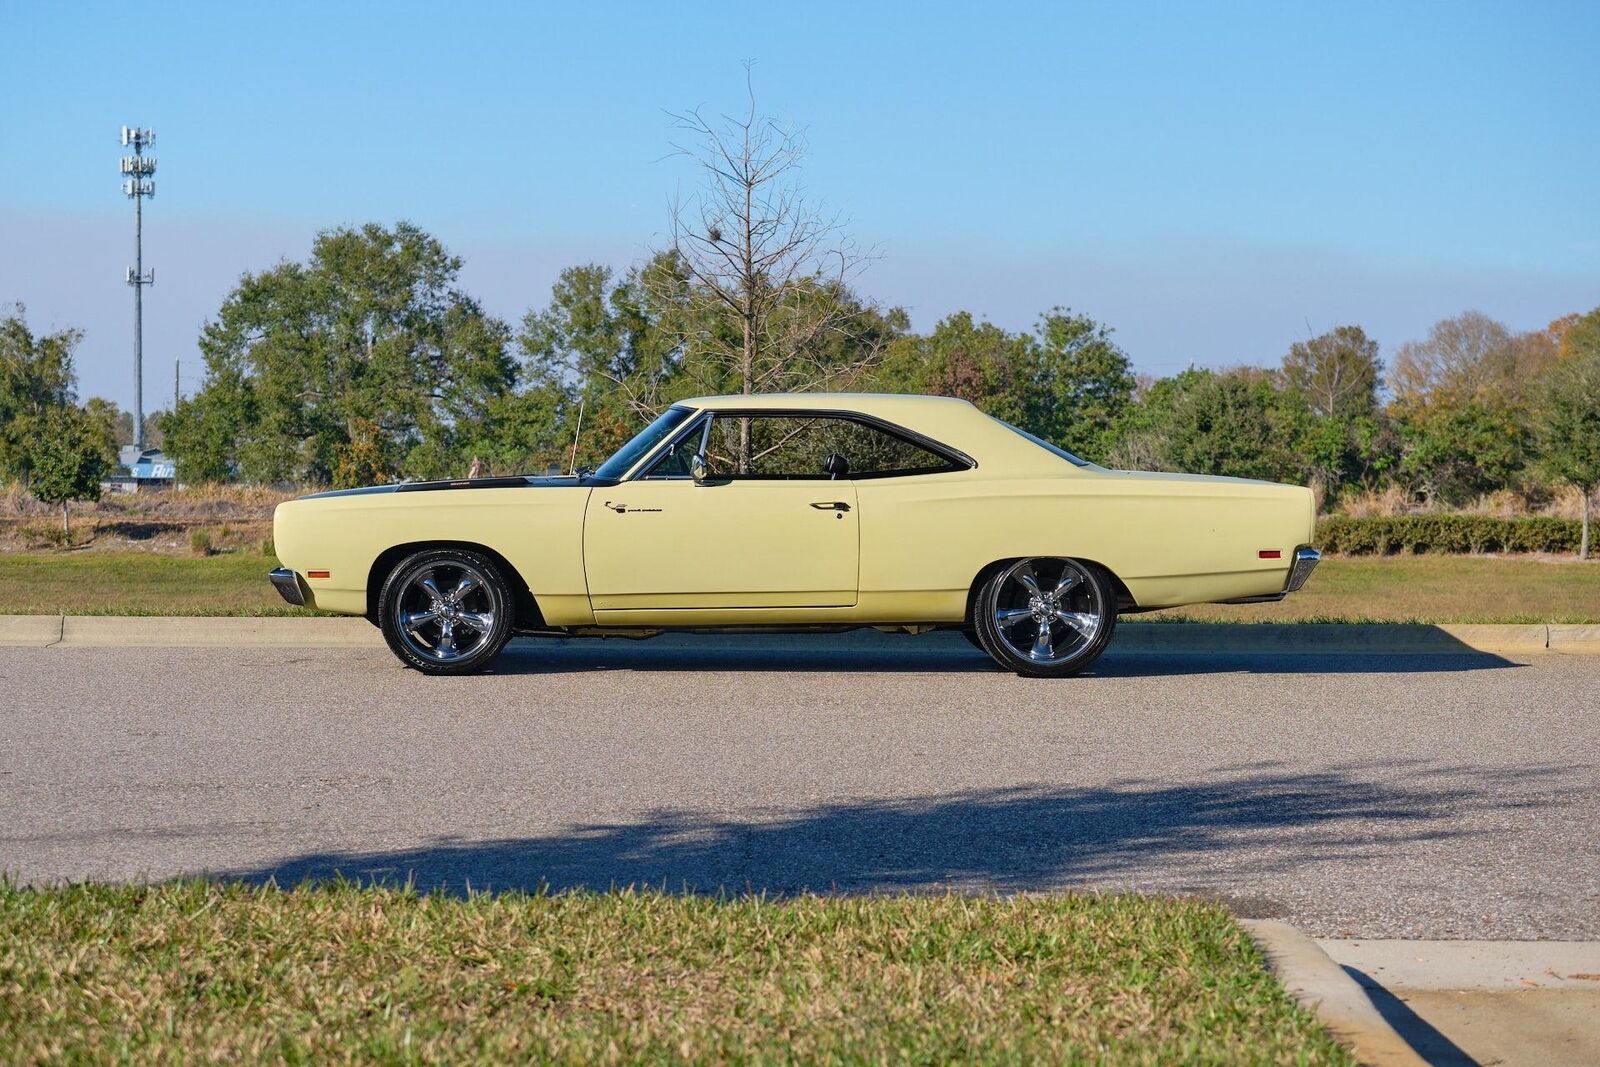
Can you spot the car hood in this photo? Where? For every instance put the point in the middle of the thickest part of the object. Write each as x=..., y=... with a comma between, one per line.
x=515, y=482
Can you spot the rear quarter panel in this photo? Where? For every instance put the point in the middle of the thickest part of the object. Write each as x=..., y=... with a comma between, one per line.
x=1171, y=541
x=539, y=531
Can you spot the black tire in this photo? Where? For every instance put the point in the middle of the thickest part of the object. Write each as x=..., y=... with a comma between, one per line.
x=972, y=638
x=1082, y=616
x=483, y=612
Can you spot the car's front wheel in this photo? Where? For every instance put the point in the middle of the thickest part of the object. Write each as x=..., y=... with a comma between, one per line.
x=1046, y=617
x=446, y=611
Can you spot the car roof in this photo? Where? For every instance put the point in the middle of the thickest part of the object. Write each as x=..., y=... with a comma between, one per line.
x=951, y=421
x=868, y=403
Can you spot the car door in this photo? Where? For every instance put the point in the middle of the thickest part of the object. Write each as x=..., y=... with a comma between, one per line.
x=768, y=527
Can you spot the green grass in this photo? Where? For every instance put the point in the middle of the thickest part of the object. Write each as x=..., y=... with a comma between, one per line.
x=1429, y=589
x=138, y=583
x=339, y=974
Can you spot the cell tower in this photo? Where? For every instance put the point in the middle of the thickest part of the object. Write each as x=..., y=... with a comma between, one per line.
x=138, y=184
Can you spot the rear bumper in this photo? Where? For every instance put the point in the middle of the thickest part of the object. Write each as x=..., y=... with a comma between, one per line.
x=287, y=583
x=1306, y=559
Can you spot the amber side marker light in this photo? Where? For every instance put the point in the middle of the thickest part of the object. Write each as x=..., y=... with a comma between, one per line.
x=319, y=574
x=1265, y=553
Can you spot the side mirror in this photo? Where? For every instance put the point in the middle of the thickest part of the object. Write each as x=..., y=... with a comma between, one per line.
x=697, y=468
x=835, y=466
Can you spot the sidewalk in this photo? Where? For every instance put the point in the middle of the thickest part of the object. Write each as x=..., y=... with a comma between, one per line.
x=1499, y=1002
x=1397, y=1003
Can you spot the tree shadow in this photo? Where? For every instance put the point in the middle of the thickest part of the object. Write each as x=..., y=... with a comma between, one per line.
x=1245, y=822
x=945, y=652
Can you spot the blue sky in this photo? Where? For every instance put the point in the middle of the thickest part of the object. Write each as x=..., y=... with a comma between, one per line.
x=1211, y=181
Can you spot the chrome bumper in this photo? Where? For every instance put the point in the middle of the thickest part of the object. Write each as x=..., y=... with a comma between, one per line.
x=287, y=583
x=1305, y=561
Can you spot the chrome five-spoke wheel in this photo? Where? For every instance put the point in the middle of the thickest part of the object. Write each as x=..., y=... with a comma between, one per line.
x=1045, y=616
x=446, y=611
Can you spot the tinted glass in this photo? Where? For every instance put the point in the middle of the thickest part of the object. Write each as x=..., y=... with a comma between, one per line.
x=646, y=439
x=798, y=446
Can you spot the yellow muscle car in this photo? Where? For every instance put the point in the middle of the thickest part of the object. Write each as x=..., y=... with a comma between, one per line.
x=813, y=512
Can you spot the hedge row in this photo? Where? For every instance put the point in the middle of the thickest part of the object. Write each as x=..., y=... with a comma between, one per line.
x=1387, y=534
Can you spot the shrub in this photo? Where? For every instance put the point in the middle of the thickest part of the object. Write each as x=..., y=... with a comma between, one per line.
x=1385, y=535
x=200, y=542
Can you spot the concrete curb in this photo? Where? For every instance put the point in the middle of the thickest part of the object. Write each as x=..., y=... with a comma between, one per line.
x=1371, y=639
x=121, y=631
x=1322, y=986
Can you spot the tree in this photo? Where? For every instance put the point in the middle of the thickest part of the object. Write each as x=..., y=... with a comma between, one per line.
x=1233, y=423
x=1471, y=358
x=36, y=377
x=975, y=361
x=67, y=458
x=1567, y=419
x=306, y=357
x=1337, y=371
x=1069, y=384
x=1462, y=451
x=1080, y=384
x=769, y=273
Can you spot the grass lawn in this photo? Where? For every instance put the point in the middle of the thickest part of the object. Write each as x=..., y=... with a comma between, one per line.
x=1396, y=588
x=138, y=583
x=337, y=973
x=1430, y=589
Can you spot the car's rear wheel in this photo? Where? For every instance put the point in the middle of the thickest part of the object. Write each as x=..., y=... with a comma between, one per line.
x=1046, y=617
x=446, y=611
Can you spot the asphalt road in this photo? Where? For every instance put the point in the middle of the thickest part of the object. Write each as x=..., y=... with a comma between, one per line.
x=1438, y=796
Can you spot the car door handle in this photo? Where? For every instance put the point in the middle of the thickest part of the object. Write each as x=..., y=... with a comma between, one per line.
x=831, y=505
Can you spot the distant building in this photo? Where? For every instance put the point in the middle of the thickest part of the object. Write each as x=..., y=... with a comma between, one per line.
x=150, y=467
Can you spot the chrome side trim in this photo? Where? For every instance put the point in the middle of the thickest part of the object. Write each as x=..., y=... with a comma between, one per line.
x=287, y=583
x=1306, y=559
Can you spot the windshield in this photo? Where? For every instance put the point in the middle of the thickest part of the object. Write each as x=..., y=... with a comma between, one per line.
x=1046, y=445
x=623, y=460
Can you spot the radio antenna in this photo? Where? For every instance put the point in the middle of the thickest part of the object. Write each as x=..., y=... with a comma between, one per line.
x=573, y=464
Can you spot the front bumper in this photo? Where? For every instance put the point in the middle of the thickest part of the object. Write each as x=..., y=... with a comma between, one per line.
x=287, y=583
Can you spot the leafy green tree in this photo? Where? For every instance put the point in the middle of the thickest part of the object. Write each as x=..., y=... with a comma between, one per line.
x=67, y=458
x=36, y=377
x=1567, y=419
x=1080, y=383
x=106, y=418
x=975, y=361
x=1234, y=423
x=1345, y=439
x=372, y=330
x=1070, y=383
x=1462, y=451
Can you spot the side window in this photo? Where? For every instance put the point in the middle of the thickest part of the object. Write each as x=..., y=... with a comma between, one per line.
x=798, y=447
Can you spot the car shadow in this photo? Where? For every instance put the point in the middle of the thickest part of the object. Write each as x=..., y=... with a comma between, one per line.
x=869, y=651
x=1236, y=826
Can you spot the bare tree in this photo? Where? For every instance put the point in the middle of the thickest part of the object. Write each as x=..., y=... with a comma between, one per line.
x=769, y=271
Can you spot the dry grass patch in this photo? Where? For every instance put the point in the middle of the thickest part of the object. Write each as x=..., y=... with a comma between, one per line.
x=338, y=973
